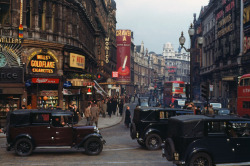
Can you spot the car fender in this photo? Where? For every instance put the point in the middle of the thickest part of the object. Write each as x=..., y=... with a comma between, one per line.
x=24, y=136
x=151, y=130
x=95, y=135
x=194, y=151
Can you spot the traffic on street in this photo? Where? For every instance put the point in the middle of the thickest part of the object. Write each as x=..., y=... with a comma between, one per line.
x=125, y=82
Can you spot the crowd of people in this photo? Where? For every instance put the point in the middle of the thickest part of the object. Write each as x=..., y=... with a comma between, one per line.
x=207, y=110
x=110, y=106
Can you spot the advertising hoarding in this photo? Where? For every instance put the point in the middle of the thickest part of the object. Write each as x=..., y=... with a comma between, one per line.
x=123, y=40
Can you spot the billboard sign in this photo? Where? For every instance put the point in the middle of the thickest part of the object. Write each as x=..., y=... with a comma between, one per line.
x=123, y=40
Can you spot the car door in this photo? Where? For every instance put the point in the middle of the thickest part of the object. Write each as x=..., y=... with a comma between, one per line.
x=40, y=129
x=241, y=140
x=62, y=133
x=218, y=143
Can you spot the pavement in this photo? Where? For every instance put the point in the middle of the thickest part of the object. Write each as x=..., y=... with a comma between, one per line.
x=102, y=122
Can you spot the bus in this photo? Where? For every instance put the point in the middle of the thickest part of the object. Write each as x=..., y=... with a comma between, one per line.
x=243, y=99
x=174, y=90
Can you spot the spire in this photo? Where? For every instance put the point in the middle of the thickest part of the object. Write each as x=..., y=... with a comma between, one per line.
x=142, y=48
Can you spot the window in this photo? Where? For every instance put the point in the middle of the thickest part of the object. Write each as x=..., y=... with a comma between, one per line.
x=39, y=118
x=239, y=128
x=246, y=104
x=216, y=128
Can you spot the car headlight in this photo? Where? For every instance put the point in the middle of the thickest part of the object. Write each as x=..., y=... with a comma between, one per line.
x=96, y=130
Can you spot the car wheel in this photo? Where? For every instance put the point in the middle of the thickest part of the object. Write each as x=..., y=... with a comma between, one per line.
x=201, y=159
x=169, y=149
x=23, y=147
x=93, y=146
x=141, y=143
x=132, y=131
x=153, y=142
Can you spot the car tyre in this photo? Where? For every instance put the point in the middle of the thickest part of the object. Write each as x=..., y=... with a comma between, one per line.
x=169, y=149
x=153, y=142
x=23, y=147
x=93, y=146
x=201, y=159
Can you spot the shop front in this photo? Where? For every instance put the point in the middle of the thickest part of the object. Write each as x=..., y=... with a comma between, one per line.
x=43, y=84
x=12, y=87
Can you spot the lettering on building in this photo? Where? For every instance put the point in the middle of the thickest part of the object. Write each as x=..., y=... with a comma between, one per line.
x=107, y=49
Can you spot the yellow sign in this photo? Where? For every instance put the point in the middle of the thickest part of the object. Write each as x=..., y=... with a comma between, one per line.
x=77, y=61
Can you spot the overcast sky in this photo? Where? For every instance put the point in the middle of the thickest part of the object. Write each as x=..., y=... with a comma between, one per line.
x=156, y=22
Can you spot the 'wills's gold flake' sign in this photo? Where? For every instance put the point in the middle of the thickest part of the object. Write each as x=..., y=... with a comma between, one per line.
x=77, y=61
x=42, y=64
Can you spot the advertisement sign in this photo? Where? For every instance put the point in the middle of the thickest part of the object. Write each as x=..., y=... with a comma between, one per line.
x=246, y=26
x=123, y=40
x=115, y=74
x=224, y=17
x=77, y=61
x=42, y=62
x=45, y=80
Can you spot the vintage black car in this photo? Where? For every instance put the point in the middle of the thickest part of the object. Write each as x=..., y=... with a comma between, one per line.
x=31, y=129
x=149, y=125
x=207, y=140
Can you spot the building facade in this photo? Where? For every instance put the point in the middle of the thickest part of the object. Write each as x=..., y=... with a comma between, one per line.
x=52, y=51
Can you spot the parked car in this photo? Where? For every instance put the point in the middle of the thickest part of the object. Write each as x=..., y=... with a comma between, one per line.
x=207, y=140
x=149, y=125
x=31, y=129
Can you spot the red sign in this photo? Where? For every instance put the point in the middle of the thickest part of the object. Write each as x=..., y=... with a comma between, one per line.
x=45, y=80
x=123, y=40
x=115, y=74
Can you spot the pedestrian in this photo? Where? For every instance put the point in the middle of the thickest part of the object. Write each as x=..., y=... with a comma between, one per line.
x=109, y=107
x=76, y=113
x=87, y=114
x=103, y=108
x=23, y=107
x=29, y=106
x=210, y=110
x=114, y=102
x=94, y=113
x=127, y=117
x=198, y=111
x=7, y=123
x=121, y=107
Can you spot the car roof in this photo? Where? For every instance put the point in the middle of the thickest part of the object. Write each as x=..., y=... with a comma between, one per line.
x=53, y=112
x=189, y=118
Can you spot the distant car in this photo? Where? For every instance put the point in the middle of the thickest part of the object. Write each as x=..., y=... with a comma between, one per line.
x=144, y=101
x=216, y=105
x=150, y=123
x=207, y=140
x=38, y=128
x=221, y=111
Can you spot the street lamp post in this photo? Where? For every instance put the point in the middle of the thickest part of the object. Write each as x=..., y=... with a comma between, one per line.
x=182, y=40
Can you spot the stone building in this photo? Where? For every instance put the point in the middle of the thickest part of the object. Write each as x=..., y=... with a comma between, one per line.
x=221, y=50
x=53, y=50
x=177, y=64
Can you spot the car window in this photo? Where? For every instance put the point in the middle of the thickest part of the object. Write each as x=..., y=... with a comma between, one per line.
x=214, y=128
x=40, y=118
x=239, y=129
x=61, y=121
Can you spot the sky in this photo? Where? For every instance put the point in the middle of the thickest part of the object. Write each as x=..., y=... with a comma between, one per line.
x=156, y=22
